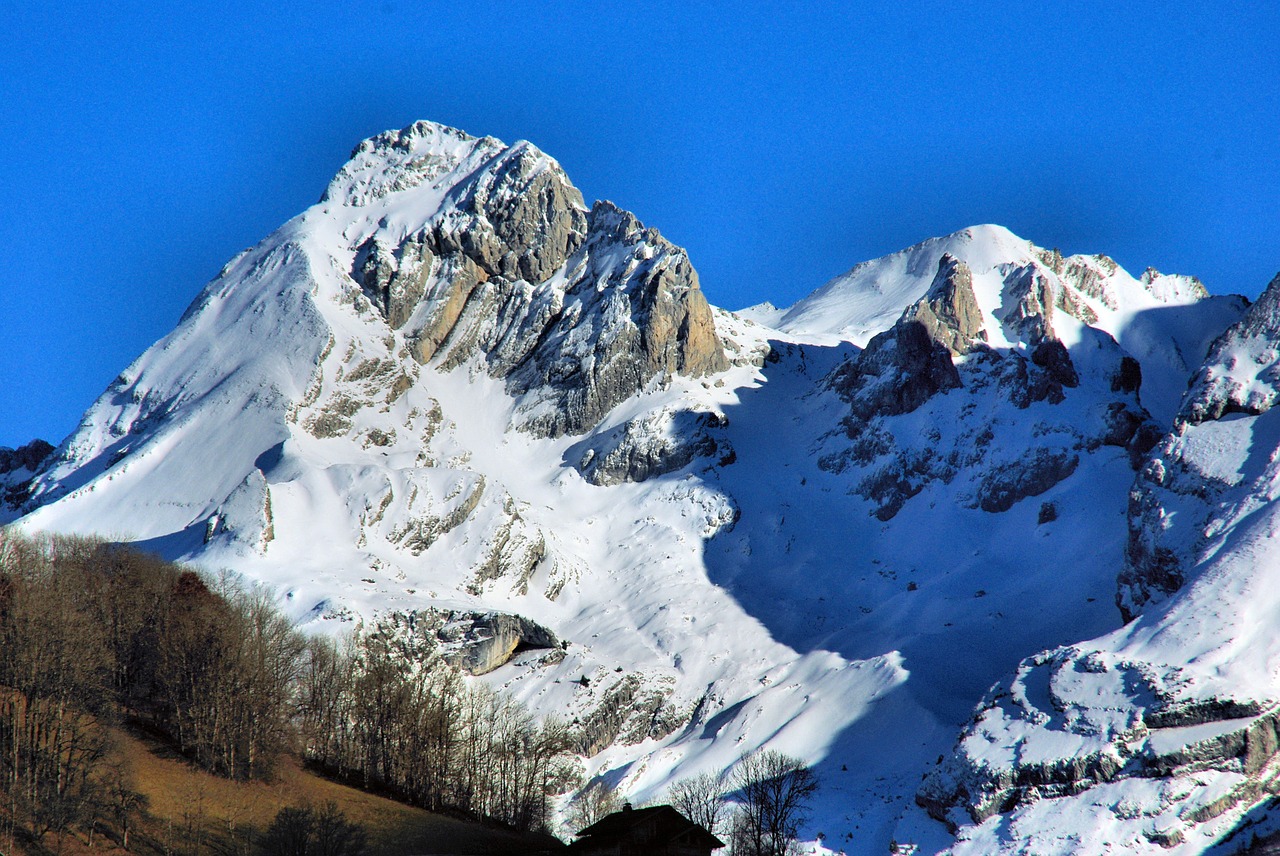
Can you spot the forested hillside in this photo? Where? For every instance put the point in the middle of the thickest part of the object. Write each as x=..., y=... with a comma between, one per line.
x=97, y=638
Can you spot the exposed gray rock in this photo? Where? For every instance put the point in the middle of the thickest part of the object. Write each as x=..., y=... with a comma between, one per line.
x=1025, y=383
x=1071, y=303
x=1247, y=744
x=1030, y=317
x=622, y=324
x=1219, y=388
x=652, y=445
x=1128, y=377
x=1087, y=275
x=899, y=370
x=1068, y=299
x=1031, y=475
x=576, y=310
x=520, y=220
x=1052, y=356
x=1130, y=429
x=417, y=534
x=395, y=280
x=17, y=469
x=1241, y=374
x=1150, y=570
x=949, y=311
x=513, y=552
x=28, y=457
x=909, y=363
x=334, y=418
x=633, y=709
x=457, y=280
x=904, y=476
x=479, y=642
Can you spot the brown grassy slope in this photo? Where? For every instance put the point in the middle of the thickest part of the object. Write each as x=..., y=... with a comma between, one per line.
x=191, y=813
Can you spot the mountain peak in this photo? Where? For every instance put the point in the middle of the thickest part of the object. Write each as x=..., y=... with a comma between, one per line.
x=427, y=154
x=450, y=388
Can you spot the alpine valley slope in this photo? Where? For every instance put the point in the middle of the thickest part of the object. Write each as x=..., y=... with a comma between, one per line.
x=450, y=388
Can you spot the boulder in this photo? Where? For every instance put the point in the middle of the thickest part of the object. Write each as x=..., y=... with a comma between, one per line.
x=479, y=642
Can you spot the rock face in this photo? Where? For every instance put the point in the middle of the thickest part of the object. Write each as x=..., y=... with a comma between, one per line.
x=17, y=467
x=28, y=457
x=1227, y=383
x=938, y=359
x=1160, y=737
x=479, y=642
x=576, y=310
x=621, y=324
x=906, y=365
x=898, y=371
x=949, y=313
x=654, y=445
x=1031, y=475
x=1030, y=318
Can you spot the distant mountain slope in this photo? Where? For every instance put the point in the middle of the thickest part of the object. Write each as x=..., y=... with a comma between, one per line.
x=451, y=385
x=1166, y=730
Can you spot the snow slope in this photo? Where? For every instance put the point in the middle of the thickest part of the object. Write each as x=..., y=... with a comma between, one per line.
x=450, y=384
x=1165, y=731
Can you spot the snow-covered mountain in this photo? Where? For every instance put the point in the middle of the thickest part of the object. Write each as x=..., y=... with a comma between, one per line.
x=1165, y=730
x=452, y=387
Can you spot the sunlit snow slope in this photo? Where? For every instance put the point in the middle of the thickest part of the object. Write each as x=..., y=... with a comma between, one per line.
x=828, y=529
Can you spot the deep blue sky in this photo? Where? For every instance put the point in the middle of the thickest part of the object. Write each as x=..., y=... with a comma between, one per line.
x=143, y=145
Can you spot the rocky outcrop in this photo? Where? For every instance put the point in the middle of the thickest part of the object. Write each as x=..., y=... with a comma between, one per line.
x=1029, y=296
x=473, y=642
x=1052, y=356
x=633, y=708
x=1055, y=731
x=417, y=533
x=512, y=552
x=949, y=312
x=28, y=457
x=899, y=370
x=521, y=219
x=648, y=446
x=479, y=642
x=576, y=310
x=936, y=347
x=1031, y=475
x=17, y=466
x=1242, y=371
x=394, y=280
x=1024, y=383
x=908, y=364
x=622, y=323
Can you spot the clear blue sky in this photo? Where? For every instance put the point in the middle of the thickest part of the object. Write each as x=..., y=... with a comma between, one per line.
x=780, y=143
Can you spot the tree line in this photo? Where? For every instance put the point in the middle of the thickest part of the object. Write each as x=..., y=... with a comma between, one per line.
x=93, y=634
x=426, y=735
x=757, y=806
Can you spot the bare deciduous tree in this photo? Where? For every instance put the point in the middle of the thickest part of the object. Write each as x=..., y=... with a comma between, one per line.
x=700, y=798
x=594, y=802
x=774, y=792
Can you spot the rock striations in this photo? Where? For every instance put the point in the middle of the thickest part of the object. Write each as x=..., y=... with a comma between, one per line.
x=453, y=400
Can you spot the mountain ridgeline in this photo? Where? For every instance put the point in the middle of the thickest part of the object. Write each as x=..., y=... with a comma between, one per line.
x=956, y=514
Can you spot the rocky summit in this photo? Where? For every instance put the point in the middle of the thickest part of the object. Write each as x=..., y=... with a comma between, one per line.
x=980, y=531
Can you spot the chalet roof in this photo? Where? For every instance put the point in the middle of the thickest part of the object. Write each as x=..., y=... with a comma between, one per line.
x=671, y=823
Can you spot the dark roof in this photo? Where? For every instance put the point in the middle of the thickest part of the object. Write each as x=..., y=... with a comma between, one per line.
x=672, y=825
